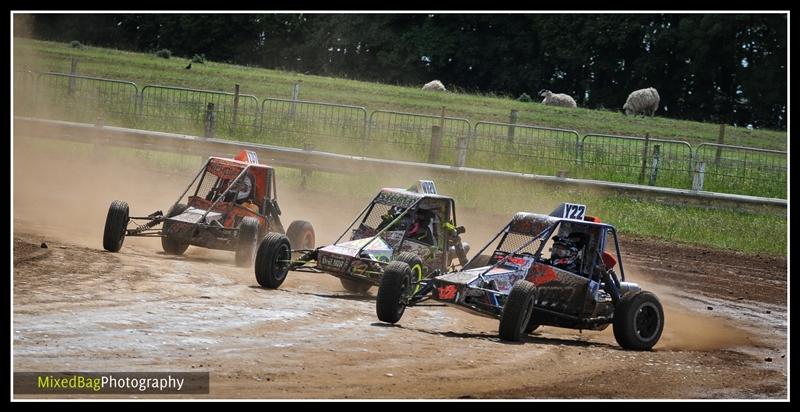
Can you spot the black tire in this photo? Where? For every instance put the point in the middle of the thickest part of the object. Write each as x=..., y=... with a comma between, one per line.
x=638, y=321
x=518, y=311
x=414, y=262
x=355, y=287
x=393, y=292
x=270, y=271
x=301, y=235
x=247, y=241
x=116, y=226
x=532, y=326
x=172, y=246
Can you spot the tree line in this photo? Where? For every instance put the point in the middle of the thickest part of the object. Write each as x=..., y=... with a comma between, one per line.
x=729, y=68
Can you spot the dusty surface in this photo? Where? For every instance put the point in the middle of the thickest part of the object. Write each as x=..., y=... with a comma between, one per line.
x=78, y=307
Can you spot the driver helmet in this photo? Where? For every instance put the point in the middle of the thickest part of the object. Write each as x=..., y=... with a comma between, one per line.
x=422, y=220
x=244, y=186
x=564, y=250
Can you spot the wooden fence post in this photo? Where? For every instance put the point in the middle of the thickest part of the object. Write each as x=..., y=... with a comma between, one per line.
x=699, y=174
x=654, y=171
x=644, y=158
x=210, y=120
x=461, y=151
x=512, y=119
x=73, y=70
x=436, y=144
x=235, y=105
x=720, y=140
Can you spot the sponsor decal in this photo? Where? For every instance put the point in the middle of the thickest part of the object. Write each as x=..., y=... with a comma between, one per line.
x=395, y=199
x=222, y=170
x=332, y=262
x=541, y=274
x=447, y=292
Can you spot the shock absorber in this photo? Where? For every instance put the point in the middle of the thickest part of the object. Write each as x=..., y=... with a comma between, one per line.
x=155, y=218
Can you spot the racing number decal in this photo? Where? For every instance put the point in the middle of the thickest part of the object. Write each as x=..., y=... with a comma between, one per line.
x=573, y=211
x=427, y=187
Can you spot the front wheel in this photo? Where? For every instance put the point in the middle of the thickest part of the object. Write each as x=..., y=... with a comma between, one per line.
x=518, y=311
x=414, y=262
x=301, y=235
x=171, y=245
x=394, y=291
x=272, y=260
x=638, y=321
x=248, y=238
x=116, y=226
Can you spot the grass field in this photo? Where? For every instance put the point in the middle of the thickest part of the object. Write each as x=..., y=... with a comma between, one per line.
x=755, y=230
x=148, y=69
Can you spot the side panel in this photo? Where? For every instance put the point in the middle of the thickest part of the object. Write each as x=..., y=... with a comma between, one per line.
x=558, y=290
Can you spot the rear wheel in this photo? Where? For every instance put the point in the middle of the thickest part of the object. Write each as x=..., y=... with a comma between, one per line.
x=355, y=287
x=248, y=240
x=301, y=235
x=415, y=264
x=518, y=311
x=272, y=260
x=170, y=245
x=393, y=292
x=116, y=225
x=638, y=321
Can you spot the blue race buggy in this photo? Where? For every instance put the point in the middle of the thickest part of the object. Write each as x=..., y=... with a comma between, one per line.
x=524, y=289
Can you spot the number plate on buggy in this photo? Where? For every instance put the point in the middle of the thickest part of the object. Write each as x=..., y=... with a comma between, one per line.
x=332, y=262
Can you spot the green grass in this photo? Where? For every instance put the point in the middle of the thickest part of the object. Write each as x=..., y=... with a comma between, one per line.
x=758, y=230
x=754, y=230
x=390, y=136
x=148, y=69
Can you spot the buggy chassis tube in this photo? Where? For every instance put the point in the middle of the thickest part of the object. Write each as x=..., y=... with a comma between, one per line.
x=202, y=169
x=508, y=256
x=397, y=219
x=222, y=196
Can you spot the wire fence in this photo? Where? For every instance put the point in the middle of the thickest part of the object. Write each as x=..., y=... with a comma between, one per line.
x=85, y=99
x=522, y=148
x=639, y=160
x=403, y=136
x=410, y=136
x=325, y=126
x=743, y=170
x=199, y=111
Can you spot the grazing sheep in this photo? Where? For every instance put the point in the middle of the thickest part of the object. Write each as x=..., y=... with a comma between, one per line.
x=642, y=101
x=559, y=99
x=435, y=86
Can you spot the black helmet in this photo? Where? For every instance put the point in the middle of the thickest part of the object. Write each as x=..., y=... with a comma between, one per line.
x=564, y=248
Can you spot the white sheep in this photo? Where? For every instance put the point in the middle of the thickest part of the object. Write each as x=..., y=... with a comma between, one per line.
x=642, y=101
x=559, y=99
x=435, y=86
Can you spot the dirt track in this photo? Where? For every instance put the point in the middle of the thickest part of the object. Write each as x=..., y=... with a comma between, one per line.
x=78, y=307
